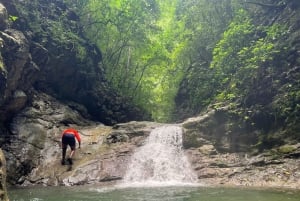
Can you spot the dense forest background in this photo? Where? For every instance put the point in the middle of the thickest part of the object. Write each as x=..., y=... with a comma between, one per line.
x=174, y=59
x=177, y=58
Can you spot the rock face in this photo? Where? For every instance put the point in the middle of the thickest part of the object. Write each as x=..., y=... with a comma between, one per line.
x=242, y=169
x=3, y=190
x=106, y=151
x=41, y=56
x=36, y=131
x=14, y=57
x=220, y=129
x=223, y=154
x=36, y=66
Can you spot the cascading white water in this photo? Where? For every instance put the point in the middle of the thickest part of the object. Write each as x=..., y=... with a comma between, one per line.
x=161, y=160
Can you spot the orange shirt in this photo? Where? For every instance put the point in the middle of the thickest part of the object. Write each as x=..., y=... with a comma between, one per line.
x=74, y=132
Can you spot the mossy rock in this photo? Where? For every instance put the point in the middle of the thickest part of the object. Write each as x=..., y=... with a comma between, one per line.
x=286, y=149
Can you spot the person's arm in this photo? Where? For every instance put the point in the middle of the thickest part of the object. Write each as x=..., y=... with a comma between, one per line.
x=78, y=139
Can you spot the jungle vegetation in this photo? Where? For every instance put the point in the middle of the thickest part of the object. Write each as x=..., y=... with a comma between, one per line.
x=165, y=54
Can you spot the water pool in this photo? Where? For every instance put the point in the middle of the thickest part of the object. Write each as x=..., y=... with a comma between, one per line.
x=151, y=194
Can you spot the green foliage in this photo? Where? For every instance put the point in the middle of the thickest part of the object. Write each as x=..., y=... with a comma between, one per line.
x=68, y=39
x=141, y=42
x=159, y=53
x=240, y=54
x=287, y=103
x=204, y=22
x=210, y=49
x=12, y=18
x=42, y=23
x=149, y=46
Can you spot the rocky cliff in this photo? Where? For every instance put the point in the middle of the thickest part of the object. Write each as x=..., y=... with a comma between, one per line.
x=42, y=50
x=34, y=151
x=269, y=105
x=42, y=54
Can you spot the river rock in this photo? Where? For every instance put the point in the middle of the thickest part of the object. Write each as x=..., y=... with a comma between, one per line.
x=207, y=149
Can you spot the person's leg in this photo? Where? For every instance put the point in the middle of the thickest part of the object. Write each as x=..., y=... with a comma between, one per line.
x=64, y=151
x=71, y=155
x=64, y=146
x=72, y=152
x=72, y=144
x=68, y=140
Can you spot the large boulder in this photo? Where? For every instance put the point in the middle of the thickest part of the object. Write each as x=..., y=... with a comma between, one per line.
x=221, y=129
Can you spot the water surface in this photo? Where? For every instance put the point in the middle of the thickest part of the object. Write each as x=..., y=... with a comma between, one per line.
x=152, y=194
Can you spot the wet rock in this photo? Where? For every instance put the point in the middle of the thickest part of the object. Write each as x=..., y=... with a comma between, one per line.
x=17, y=102
x=36, y=131
x=245, y=170
x=3, y=189
x=99, y=162
x=286, y=149
x=219, y=128
x=36, y=135
x=3, y=17
x=207, y=149
x=15, y=57
x=116, y=137
x=136, y=128
x=15, y=54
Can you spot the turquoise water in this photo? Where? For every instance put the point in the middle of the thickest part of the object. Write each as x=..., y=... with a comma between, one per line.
x=152, y=194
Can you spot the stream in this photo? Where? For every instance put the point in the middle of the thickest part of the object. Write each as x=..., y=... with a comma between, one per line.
x=175, y=193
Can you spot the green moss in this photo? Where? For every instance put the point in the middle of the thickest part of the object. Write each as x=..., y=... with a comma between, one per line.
x=2, y=68
x=285, y=149
x=81, y=52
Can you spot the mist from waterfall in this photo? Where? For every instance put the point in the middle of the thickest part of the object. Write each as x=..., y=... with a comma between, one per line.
x=160, y=161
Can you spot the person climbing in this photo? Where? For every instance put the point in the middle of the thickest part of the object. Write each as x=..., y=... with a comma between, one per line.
x=68, y=138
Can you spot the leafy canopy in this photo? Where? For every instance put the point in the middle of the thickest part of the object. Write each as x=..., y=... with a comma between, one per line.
x=209, y=49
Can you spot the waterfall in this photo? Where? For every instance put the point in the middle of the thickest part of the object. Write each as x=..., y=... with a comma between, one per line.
x=161, y=160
